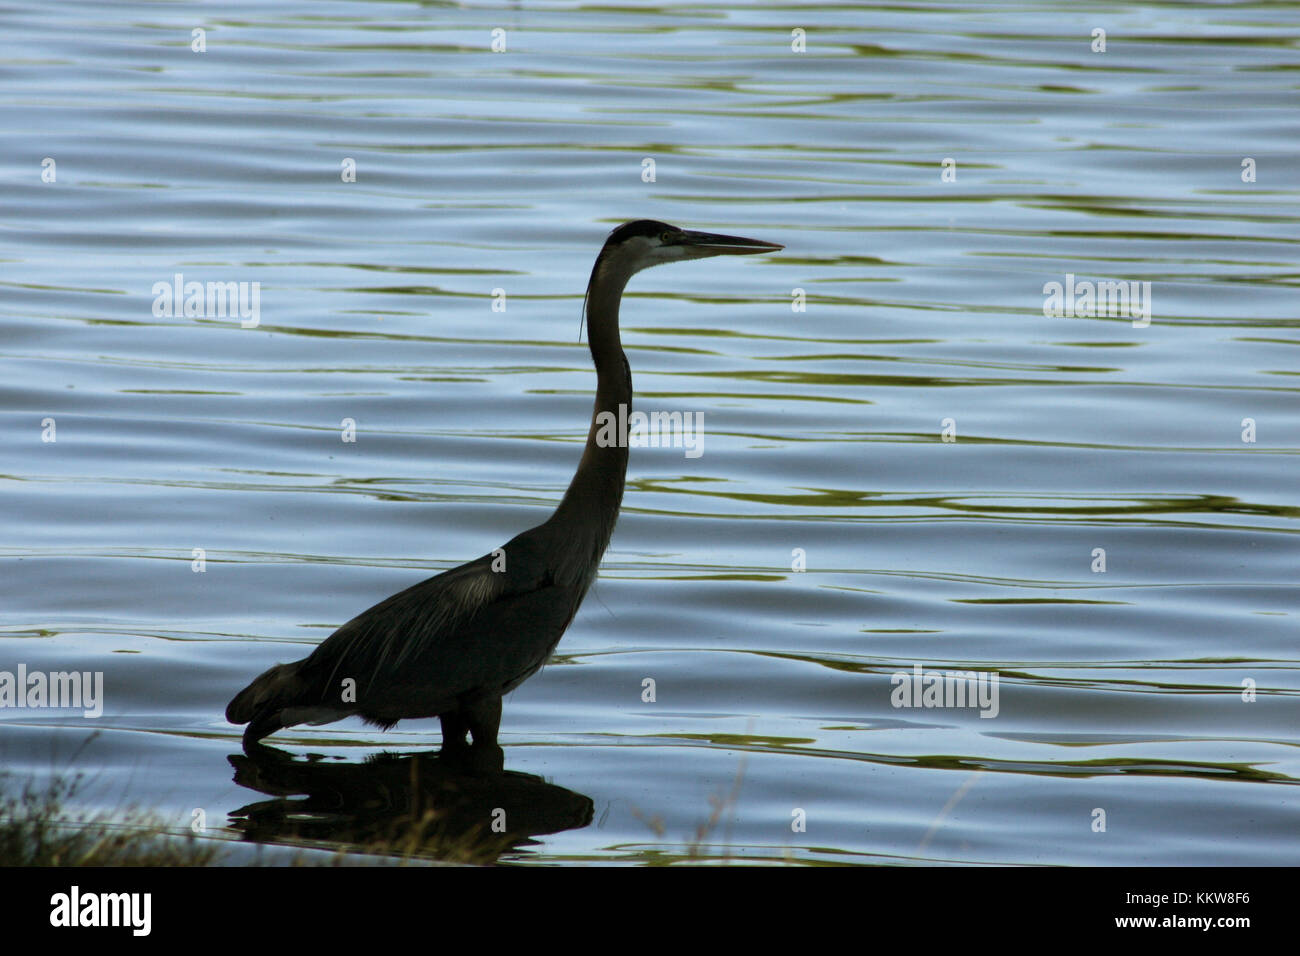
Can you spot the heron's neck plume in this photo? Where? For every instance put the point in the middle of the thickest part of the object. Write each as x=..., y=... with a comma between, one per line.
x=590, y=506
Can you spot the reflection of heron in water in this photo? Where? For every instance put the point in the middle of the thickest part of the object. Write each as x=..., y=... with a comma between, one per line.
x=447, y=806
x=451, y=646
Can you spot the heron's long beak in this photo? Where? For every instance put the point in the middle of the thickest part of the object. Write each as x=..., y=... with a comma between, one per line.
x=712, y=244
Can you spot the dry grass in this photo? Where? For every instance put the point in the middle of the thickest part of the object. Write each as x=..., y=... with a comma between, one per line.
x=37, y=829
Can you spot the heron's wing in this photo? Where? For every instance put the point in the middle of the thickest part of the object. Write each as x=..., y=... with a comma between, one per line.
x=493, y=651
x=422, y=622
x=383, y=635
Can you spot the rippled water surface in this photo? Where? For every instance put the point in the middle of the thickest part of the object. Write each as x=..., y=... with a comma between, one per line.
x=772, y=734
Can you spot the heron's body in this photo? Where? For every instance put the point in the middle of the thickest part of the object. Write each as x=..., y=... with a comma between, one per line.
x=452, y=645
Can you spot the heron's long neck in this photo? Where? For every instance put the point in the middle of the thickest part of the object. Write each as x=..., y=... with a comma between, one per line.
x=590, y=506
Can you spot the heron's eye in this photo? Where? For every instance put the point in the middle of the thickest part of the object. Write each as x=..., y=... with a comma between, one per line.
x=665, y=238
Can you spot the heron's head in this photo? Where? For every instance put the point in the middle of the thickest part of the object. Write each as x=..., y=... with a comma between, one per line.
x=643, y=243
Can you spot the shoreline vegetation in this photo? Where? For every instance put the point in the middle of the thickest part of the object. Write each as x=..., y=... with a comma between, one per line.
x=38, y=827
x=42, y=825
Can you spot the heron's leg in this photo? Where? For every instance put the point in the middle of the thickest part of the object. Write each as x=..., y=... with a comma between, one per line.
x=484, y=718
x=453, y=729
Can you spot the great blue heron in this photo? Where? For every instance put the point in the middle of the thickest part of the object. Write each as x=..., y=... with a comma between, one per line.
x=451, y=646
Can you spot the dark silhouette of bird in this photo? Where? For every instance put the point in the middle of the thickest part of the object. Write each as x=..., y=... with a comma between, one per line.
x=451, y=646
